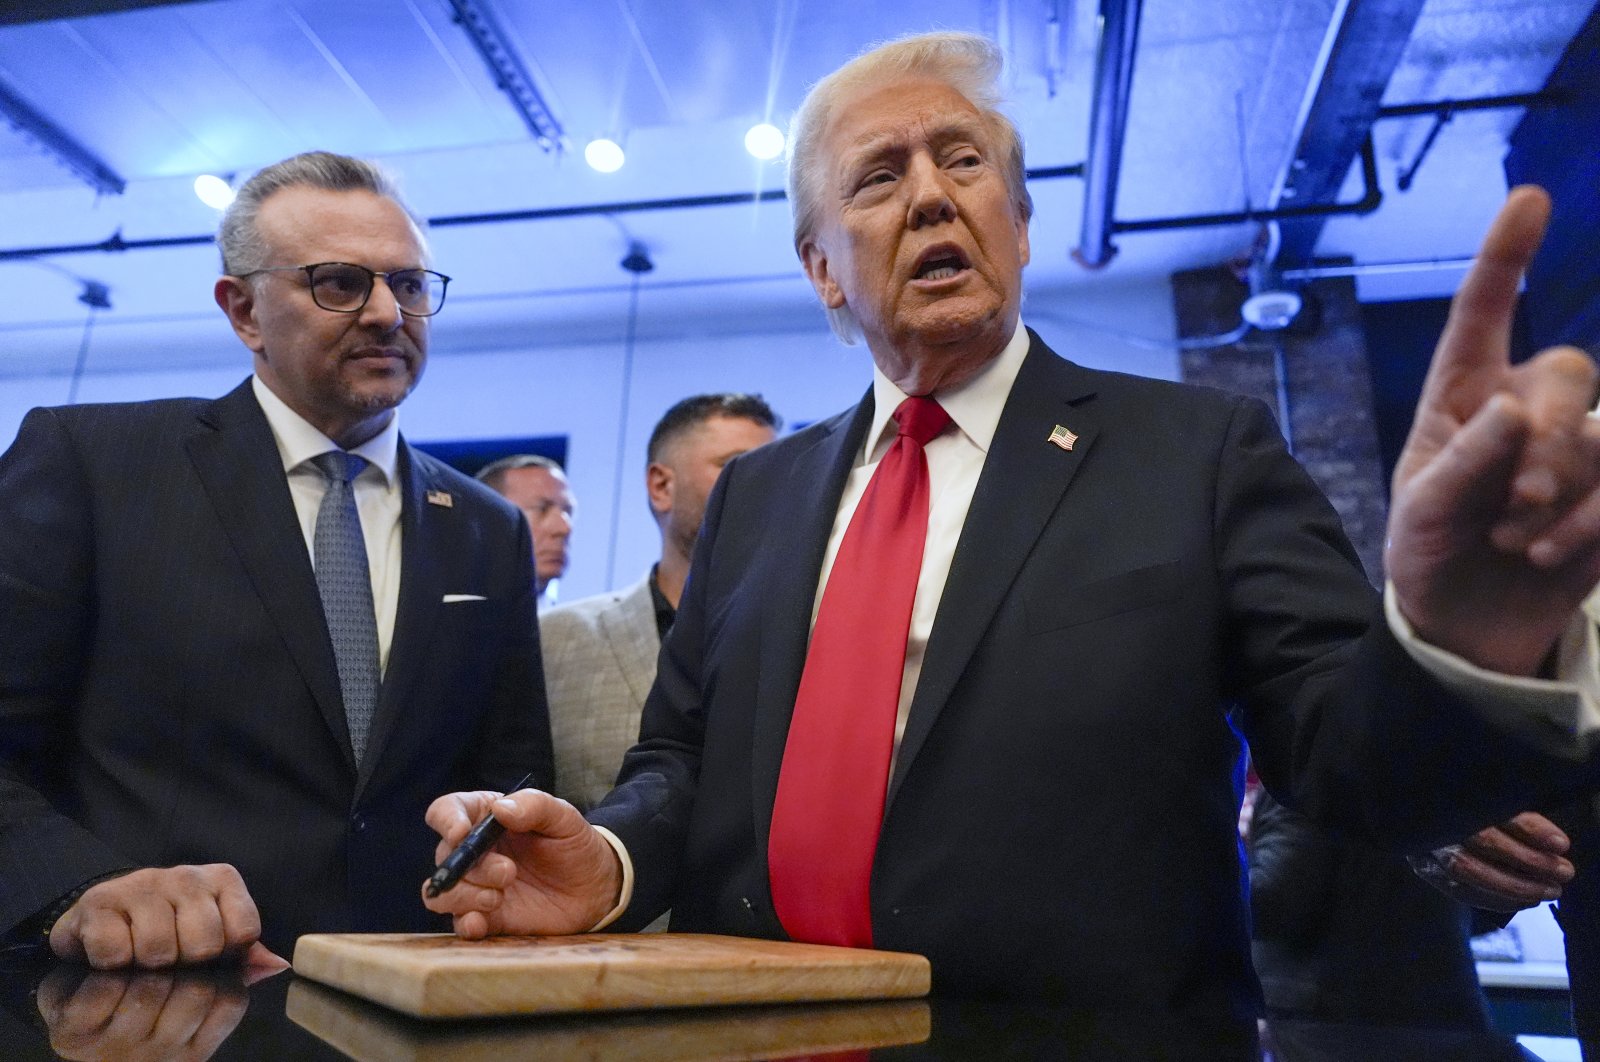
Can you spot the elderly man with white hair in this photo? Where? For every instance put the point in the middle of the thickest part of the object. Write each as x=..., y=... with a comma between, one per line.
x=968, y=670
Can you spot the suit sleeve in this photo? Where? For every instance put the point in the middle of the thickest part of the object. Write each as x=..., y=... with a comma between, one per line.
x=46, y=625
x=1293, y=869
x=649, y=809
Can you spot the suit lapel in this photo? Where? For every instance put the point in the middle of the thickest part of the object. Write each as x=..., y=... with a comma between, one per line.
x=238, y=463
x=1020, y=487
x=798, y=530
x=424, y=540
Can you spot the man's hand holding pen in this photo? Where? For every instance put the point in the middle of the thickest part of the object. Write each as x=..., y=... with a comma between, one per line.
x=550, y=873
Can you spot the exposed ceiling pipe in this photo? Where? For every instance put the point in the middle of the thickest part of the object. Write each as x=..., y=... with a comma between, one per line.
x=1371, y=198
x=116, y=242
x=1108, y=122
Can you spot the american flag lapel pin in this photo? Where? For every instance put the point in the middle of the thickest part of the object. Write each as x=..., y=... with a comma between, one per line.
x=1062, y=437
x=442, y=498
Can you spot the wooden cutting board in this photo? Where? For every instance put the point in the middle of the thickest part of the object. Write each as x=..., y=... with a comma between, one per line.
x=370, y=1033
x=441, y=976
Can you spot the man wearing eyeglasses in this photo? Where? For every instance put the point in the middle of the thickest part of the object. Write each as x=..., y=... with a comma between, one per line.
x=244, y=642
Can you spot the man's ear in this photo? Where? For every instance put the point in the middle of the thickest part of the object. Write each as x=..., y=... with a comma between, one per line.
x=815, y=260
x=238, y=300
x=659, y=483
x=1023, y=251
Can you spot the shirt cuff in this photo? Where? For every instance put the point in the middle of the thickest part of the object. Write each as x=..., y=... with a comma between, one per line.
x=625, y=896
x=1559, y=715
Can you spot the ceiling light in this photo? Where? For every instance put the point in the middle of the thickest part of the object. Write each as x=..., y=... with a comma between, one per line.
x=764, y=141
x=603, y=155
x=213, y=191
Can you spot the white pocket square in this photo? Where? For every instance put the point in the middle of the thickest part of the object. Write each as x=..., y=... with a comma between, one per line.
x=452, y=598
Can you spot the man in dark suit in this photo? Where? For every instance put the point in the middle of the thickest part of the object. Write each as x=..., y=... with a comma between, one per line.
x=203, y=741
x=1118, y=578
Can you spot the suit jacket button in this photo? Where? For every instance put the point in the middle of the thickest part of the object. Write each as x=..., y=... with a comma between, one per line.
x=358, y=824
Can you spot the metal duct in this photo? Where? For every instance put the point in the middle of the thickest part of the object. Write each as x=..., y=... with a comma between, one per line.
x=1108, y=123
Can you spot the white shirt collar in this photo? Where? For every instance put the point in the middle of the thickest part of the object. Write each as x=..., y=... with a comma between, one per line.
x=298, y=442
x=975, y=406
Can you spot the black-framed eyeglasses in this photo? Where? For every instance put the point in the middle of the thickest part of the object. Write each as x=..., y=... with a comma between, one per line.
x=345, y=288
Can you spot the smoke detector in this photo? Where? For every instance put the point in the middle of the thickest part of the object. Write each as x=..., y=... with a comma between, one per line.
x=1271, y=311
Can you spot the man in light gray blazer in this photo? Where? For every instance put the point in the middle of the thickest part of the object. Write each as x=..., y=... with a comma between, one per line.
x=600, y=652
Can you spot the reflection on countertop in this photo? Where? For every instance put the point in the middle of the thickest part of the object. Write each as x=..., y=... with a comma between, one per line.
x=61, y=1011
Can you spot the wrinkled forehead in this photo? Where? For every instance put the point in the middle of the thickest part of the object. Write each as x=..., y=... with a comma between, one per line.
x=897, y=113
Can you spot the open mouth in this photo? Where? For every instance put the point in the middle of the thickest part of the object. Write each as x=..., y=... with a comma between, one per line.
x=940, y=263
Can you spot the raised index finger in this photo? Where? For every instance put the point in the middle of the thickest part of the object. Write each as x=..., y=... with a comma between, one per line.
x=1477, y=335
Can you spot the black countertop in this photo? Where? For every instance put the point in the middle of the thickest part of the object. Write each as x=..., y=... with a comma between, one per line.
x=55, y=1011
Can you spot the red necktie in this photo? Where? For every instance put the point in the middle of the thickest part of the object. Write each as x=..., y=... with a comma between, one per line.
x=835, y=770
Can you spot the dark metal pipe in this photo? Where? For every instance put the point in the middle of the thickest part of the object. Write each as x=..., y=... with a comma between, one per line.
x=1368, y=202
x=1108, y=122
x=113, y=243
x=1409, y=174
x=1481, y=103
x=772, y=195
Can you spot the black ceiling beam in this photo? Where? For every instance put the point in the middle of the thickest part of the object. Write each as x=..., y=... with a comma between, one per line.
x=17, y=12
x=1366, y=49
x=504, y=60
x=57, y=142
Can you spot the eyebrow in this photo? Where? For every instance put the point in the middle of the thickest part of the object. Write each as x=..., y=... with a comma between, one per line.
x=874, y=143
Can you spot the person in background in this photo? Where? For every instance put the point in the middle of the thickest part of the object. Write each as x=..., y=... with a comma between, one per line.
x=245, y=641
x=1342, y=932
x=1530, y=859
x=969, y=670
x=600, y=652
x=538, y=486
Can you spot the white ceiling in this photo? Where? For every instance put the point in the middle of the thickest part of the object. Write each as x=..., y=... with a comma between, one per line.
x=163, y=93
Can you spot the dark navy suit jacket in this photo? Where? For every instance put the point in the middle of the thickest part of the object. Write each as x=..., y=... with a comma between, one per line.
x=168, y=692
x=1062, y=817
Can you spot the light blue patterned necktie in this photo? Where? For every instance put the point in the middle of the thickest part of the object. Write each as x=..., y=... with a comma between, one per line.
x=339, y=555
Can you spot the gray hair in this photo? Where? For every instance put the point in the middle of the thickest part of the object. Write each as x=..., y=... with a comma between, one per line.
x=967, y=62
x=493, y=474
x=238, y=236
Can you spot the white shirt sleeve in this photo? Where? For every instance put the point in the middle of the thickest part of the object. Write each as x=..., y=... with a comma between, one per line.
x=1560, y=715
x=626, y=895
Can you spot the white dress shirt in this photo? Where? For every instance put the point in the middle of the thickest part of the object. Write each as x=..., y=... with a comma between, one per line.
x=377, y=491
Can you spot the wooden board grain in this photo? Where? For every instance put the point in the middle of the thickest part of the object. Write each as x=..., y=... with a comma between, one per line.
x=442, y=976
x=369, y=1033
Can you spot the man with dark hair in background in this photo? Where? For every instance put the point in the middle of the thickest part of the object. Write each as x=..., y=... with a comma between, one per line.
x=538, y=486
x=600, y=652
x=245, y=641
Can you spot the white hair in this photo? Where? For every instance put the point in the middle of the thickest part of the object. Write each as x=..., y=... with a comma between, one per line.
x=967, y=62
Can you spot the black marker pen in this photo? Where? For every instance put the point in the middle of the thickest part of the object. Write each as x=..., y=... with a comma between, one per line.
x=477, y=841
